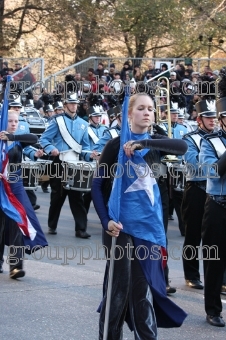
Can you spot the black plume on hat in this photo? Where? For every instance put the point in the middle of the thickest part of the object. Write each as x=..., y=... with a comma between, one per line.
x=207, y=88
x=47, y=99
x=118, y=110
x=111, y=112
x=57, y=98
x=222, y=83
x=48, y=108
x=221, y=103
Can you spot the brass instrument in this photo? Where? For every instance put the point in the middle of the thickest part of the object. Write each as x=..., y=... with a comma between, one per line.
x=217, y=97
x=158, y=96
x=216, y=88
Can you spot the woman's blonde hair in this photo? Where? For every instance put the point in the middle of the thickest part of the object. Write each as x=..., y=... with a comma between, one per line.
x=134, y=98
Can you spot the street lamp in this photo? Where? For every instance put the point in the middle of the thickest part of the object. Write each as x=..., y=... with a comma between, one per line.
x=209, y=44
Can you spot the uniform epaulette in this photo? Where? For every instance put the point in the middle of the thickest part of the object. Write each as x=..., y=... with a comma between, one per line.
x=211, y=135
x=58, y=115
x=191, y=133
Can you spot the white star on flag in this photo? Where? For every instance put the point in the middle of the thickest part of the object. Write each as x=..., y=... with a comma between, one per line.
x=145, y=181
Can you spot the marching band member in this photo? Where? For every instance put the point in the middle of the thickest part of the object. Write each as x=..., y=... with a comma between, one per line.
x=194, y=196
x=178, y=131
x=66, y=132
x=10, y=233
x=95, y=131
x=95, y=128
x=213, y=154
x=111, y=132
x=112, y=117
x=58, y=107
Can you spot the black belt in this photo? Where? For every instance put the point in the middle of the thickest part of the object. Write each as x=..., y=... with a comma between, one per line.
x=221, y=200
x=199, y=184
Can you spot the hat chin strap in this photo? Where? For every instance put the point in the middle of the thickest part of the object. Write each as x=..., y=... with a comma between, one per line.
x=95, y=124
x=208, y=130
x=73, y=113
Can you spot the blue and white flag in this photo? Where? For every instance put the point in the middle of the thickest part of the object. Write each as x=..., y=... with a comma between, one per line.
x=135, y=199
x=8, y=202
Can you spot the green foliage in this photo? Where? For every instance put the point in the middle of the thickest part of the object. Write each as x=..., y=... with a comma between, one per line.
x=134, y=28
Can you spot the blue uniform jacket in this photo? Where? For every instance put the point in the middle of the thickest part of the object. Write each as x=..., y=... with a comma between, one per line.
x=98, y=131
x=105, y=138
x=51, y=138
x=216, y=185
x=177, y=130
x=22, y=129
x=193, y=170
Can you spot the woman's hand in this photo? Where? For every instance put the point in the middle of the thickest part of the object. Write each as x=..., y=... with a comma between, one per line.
x=3, y=135
x=129, y=148
x=114, y=228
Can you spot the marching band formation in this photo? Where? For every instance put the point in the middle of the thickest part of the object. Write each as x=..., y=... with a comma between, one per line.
x=194, y=184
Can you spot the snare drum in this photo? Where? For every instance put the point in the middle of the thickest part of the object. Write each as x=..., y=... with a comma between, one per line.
x=178, y=176
x=44, y=169
x=78, y=175
x=30, y=175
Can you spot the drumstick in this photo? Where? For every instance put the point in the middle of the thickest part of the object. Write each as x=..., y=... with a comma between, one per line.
x=37, y=150
x=88, y=151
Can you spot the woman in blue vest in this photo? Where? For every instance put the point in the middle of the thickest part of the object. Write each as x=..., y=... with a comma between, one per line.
x=139, y=288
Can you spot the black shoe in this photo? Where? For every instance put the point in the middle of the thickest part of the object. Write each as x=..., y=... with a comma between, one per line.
x=16, y=273
x=170, y=290
x=52, y=231
x=82, y=234
x=170, y=218
x=197, y=284
x=1, y=270
x=223, y=289
x=215, y=320
x=36, y=207
x=45, y=190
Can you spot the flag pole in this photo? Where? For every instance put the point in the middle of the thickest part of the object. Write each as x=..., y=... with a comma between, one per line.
x=109, y=289
x=114, y=210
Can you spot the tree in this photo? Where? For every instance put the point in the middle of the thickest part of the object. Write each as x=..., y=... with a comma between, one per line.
x=20, y=20
x=143, y=21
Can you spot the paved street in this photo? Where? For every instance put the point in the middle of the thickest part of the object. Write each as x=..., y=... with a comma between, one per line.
x=58, y=297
